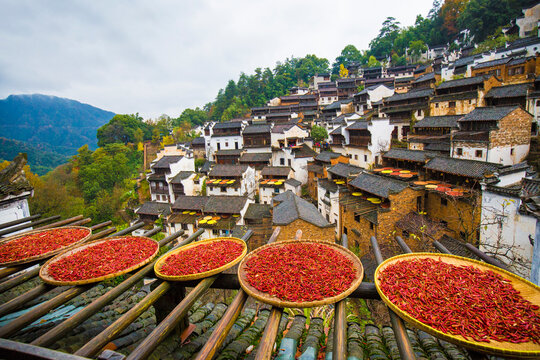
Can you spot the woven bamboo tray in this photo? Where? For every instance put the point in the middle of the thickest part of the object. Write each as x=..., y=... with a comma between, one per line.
x=44, y=274
x=48, y=254
x=528, y=290
x=275, y=301
x=161, y=260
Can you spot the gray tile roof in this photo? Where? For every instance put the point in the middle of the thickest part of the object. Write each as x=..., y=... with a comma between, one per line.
x=304, y=151
x=327, y=156
x=378, y=185
x=206, y=167
x=476, y=80
x=496, y=62
x=228, y=170
x=494, y=113
x=257, y=129
x=439, y=146
x=448, y=121
x=293, y=182
x=508, y=91
x=228, y=125
x=182, y=175
x=281, y=128
x=425, y=77
x=258, y=211
x=12, y=178
x=344, y=170
x=154, y=208
x=276, y=171
x=225, y=204
x=336, y=131
x=410, y=95
x=292, y=207
x=184, y=202
x=229, y=152
x=336, y=105
x=198, y=141
x=411, y=155
x=358, y=125
x=255, y=157
x=328, y=185
x=469, y=168
x=166, y=161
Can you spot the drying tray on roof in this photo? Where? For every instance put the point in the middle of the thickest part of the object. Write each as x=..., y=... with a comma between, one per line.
x=528, y=291
x=274, y=301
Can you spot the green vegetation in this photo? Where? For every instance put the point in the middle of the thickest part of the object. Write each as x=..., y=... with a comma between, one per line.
x=40, y=159
x=318, y=133
x=124, y=129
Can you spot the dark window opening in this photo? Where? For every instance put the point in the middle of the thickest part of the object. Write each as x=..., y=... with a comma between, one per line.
x=444, y=202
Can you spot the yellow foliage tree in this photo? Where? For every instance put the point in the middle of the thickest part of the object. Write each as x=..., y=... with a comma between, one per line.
x=343, y=72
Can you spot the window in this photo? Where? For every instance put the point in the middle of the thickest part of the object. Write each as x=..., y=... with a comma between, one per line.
x=226, y=144
x=444, y=202
x=282, y=161
x=418, y=112
x=459, y=151
x=405, y=234
x=478, y=153
x=371, y=226
x=436, y=105
x=215, y=232
x=153, y=185
x=276, y=190
x=160, y=185
x=184, y=226
x=218, y=146
x=289, y=161
x=345, y=230
x=355, y=157
x=223, y=189
x=357, y=218
x=452, y=104
x=512, y=151
x=365, y=158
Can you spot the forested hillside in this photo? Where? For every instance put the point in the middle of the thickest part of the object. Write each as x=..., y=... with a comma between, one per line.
x=39, y=158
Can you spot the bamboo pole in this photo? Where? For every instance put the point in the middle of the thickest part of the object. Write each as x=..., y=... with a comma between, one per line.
x=266, y=345
x=69, y=324
x=129, y=229
x=441, y=247
x=19, y=221
x=17, y=351
x=81, y=222
x=101, y=225
x=60, y=223
x=152, y=232
x=403, y=245
x=22, y=299
x=4, y=272
x=26, y=226
x=340, y=324
x=164, y=328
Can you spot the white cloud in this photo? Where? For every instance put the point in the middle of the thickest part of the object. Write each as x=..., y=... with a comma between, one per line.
x=163, y=56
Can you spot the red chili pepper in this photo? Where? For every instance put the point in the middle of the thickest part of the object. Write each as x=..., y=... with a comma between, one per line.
x=40, y=243
x=300, y=272
x=461, y=300
x=103, y=258
x=201, y=258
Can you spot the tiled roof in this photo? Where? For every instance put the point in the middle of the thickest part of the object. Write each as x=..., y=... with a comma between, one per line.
x=410, y=95
x=182, y=175
x=293, y=182
x=344, y=170
x=378, y=185
x=469, y=168
x=184, y=202
x=411, y=155
x=496, y=62
x=336, y=131
x=328, y=185
x=257, y=129
x=448, y=121
x=476, y=80
x=206, y=167
x=229, y=152
x=465, y=95
x=358, y=125
x=258, y=211
x=327, y=156
x=508, y=91
x=228, y=125
x=425, y=77
x=154, y=208
x=315, y=168
x=166, y=161
x=255, y=157
x=12, y=178
x=276, y=171
x=225, y=204
x=198, y=141
x=494, y=113
x=304, y=151
x=336, y=105
x=291, y=207
x=438, y=146
x=228, y=170
x=281, y=128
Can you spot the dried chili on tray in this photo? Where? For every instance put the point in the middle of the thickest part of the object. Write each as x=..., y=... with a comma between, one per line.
x=300, y=272
x=463, y=300
x=204, y=257
x=102, y=258
x=40, y=243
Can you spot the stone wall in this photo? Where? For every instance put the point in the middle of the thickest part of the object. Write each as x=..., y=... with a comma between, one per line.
x=514, y=129
x=462, y=107
x=309, y=231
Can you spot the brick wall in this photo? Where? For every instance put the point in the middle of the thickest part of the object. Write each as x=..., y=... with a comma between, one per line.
x=514, y=129
x=462, y=107
x=309, y=231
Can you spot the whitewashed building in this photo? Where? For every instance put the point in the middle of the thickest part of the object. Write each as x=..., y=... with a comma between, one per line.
x=231, y=180
x=295, y=157
x=14, y=191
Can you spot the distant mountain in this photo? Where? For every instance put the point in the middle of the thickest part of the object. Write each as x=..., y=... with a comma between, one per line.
x=63, y=125
x=40, y=159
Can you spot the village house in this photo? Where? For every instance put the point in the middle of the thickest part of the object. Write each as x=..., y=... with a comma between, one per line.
x=533, y=104
x=292, y=213
x=257, y=138
x=317, y=168
x=297, y=158
x=14, y=191
x=494, y=134
x=185, y=183
x=184, y=213
x=372, y=206
x=228, y=156
x=316, y=79
x=225, y=136
x=198, y=146
x=287, y=135
x=337, y=108
x=459, y=97
x=406, y=159
x=258, y=218
x=510, y=70
x=363, y=100
x=346, y=87
x=460, y=67
x=403, y=85
x=433, y=133
x=402, y=108
x=426, y=81
x=272, y=182
x=231, y=180
x=515, y=94
x=162, y=171
x=328, y=93
x=256, y=160
x=151, y=211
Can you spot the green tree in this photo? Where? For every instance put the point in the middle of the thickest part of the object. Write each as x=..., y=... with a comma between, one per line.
x=318, y=133
x=194, y=117
x=348, y=55
x=235, y=110
x=416, y=48
x=373, y=62
x=122, y=129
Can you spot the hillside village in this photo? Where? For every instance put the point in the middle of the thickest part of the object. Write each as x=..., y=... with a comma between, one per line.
x=430, y=152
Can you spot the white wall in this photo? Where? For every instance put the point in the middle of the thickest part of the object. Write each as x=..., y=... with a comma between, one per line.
x=185, y=164
x=247, y=186
x=299, y=165
x=378, y=93
x=294, y=132
x=296, y=190
x=225, y=142
x=329, y=212
x=502, y=154
x=381, y=136
x=361, y=157
x=267, y=193
x=14, y=210
x=514, y=234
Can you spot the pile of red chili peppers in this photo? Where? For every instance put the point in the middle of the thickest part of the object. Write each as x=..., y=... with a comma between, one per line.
x=300, y=272
x=202, y=258
x=461, y=300
x=39, y=243
x=103, y=259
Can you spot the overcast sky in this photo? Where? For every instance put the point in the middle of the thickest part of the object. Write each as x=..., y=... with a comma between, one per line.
x=156, y=57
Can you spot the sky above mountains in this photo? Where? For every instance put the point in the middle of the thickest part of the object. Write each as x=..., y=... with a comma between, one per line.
x=156, y=57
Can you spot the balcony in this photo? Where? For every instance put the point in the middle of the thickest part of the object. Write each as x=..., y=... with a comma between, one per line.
x=362, y=141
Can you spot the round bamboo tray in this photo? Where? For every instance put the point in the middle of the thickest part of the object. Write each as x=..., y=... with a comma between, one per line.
x=48, y=254
x=161, y=260
x=44, y=274
x=528, y=290
x=274, y=301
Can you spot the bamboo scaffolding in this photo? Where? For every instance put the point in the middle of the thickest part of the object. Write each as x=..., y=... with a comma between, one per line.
x=27, y=225
x=19, y=221
x=339, y=351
